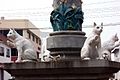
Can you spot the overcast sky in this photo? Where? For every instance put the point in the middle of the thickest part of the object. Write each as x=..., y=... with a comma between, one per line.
x=106, y=11
x=22, y=4
x=38, y=12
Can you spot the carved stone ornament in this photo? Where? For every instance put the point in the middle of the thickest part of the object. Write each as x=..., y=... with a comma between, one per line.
x=67, y=15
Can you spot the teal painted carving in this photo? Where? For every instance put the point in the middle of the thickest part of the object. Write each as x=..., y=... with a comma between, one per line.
x=66, y=18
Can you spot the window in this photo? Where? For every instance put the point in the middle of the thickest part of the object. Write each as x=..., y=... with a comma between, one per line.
x=37, y=55
x=38, y=48
x=33, y=37
x=8, y=53
x=29, y=36
x=5, y=32
x=36, y=40
x=19, y=31
x=1, y=51
x=39, y=42
x=14, y=52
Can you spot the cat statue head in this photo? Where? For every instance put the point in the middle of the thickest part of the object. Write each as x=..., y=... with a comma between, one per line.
x=97, y=29
x=115, y=38
x=12, y=34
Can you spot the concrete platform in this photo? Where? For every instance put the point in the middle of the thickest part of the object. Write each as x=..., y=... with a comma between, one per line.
x=63, y=70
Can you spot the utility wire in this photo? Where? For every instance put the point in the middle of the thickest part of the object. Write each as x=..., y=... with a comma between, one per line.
x=84, y=26
x=101, y=2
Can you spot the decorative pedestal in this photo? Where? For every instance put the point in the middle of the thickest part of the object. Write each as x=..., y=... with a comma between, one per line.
x=63, y=70
x=67, y=44
x=71, y=67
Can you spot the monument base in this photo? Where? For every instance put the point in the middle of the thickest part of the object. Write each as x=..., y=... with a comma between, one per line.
x=67, y=44
x=63, y=70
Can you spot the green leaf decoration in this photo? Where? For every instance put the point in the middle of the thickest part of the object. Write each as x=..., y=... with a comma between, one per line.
x=66, y=18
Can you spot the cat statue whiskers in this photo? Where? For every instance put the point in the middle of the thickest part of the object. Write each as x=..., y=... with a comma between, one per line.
x=92, y=44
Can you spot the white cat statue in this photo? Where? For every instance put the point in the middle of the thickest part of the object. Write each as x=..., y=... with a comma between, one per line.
x=24, y=47
x=92, y=44
x=115, y=54
x=108, y=46
x=116, y=57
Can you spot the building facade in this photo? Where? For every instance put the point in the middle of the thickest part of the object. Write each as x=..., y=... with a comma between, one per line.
x=5, y=56
x=25, y=28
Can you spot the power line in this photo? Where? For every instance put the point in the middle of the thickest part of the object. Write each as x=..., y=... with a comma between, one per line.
x=101, y=2
x=106, y=25
x=35, y=14
x=24, y=9
x=84, y=26
x=115, y=11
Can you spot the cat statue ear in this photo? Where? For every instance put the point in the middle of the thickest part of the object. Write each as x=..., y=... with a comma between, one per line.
x=116, y=34
x=94, y=24
x=10, y=29
x=13, y=29
x=102, y=24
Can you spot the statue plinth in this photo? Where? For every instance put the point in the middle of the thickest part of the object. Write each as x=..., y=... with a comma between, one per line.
x=63, y=70
x=67, y=44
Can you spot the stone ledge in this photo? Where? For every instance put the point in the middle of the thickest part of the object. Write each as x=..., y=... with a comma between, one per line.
x=63, y=70
x=69, y=32
x=62, y=63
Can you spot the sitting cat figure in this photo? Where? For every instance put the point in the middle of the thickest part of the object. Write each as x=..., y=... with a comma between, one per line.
x=92, y=44
x=115, y=54
x=108, y=46
x=24, y=47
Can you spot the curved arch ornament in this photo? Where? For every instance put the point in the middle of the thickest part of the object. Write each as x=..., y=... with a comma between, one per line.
x=67, y=15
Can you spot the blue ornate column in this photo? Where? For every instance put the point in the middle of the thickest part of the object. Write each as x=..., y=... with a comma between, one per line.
x=67, y=15
x=67, y=37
